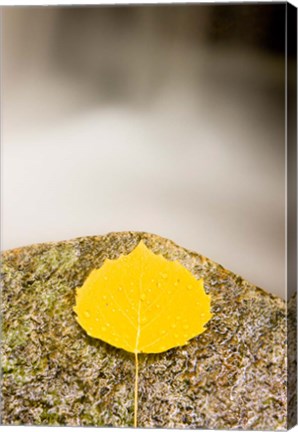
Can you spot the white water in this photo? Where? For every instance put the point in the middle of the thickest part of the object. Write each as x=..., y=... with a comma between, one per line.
x=190, y=146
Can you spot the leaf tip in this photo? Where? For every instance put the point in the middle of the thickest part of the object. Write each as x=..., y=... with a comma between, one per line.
x=141, y=245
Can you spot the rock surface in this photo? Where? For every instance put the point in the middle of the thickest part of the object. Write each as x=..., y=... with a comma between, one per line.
x=231, y=376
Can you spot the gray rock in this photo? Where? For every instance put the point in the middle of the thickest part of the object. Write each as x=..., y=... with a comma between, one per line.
x=231, y=376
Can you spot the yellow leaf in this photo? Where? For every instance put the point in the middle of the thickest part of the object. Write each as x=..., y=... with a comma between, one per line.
x=143, y=303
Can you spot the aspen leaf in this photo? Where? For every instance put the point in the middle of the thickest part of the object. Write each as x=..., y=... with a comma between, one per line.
x=142, y=303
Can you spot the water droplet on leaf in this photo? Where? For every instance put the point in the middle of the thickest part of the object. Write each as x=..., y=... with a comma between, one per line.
x=140, y=312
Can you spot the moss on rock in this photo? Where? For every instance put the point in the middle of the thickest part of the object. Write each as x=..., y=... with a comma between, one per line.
x=231, y=376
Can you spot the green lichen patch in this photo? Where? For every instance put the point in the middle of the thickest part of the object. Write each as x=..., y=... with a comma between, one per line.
x=231, y=376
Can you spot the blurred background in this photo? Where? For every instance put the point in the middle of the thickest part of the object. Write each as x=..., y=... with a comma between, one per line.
x=166, y=119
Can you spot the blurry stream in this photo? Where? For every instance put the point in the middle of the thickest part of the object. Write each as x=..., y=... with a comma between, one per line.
x=145, y=119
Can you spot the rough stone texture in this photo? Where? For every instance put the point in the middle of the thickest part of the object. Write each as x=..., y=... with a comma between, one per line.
x=231, y=376
x=292, y=361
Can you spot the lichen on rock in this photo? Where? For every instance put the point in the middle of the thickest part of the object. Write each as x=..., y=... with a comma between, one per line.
x=231, y=376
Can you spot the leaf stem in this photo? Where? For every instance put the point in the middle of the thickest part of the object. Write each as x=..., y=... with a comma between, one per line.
x=136, y=390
